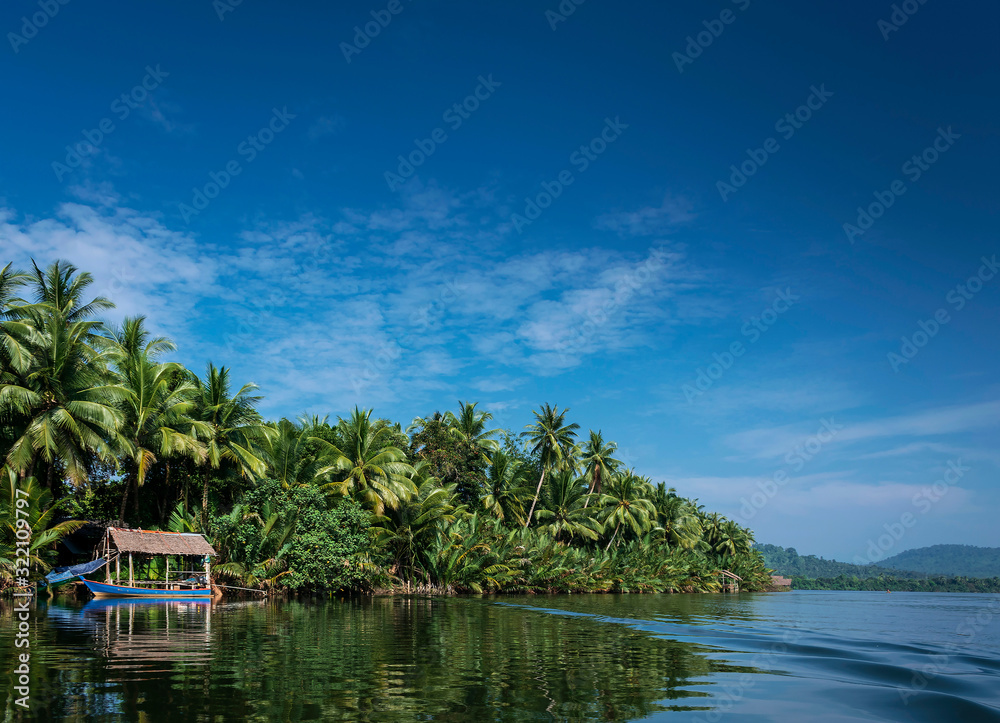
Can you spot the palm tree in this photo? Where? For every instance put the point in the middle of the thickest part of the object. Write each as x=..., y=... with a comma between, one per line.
x=235, y=435
x=508, y=487
x=61, y=406
x=552, y=440
x=599, y=463
x=626, y=503
x=38, y=513
x=563, y=509
x=373, y=468
x=292, y=457
x=13, y=330
x=677, y=517
x=470, y=426
x=408, y=531
x=157, y=422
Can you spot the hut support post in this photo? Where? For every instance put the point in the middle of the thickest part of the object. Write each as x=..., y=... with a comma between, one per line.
x=208, y=570
x=166, y=575
x=118, y=569
x=131, y=577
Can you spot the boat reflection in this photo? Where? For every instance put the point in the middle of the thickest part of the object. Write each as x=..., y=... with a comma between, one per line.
x=135, y=634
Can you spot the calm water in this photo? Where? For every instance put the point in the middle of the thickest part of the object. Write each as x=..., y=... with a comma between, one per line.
x=831, y=656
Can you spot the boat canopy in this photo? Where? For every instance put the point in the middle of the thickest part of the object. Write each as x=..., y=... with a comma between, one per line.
x=151, y=542
x=62, y=574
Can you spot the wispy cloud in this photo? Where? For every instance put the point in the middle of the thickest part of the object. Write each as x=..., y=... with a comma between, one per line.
x=772, y=442
x=326, y=126
x=648, y=220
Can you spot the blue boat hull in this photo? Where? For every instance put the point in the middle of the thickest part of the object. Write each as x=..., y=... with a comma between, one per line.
x=101, y=589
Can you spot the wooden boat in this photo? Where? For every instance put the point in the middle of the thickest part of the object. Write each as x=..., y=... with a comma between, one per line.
x=126, y=543
x=103, y=589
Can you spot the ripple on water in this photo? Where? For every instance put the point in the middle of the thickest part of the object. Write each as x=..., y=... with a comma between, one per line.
x=846, y=656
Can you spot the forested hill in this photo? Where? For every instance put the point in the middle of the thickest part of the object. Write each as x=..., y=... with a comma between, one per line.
x=787, y=561
x=965, y=560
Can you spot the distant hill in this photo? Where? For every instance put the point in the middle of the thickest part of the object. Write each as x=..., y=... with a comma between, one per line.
x=964, y=560
x=787, y=561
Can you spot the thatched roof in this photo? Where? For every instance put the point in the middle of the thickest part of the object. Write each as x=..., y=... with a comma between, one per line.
x=148, y=542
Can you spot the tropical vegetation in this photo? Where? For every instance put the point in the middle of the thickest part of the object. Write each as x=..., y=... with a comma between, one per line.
x=96, y=423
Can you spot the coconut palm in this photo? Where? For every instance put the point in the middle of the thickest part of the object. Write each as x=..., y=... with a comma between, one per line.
x=38, y=513
x=371, y=466
x=598, y=463
x=236, y=436
x=292, y=457
x=408, y=530
x=157, y=409
x=470, y=426
x=14, y=354
x=508, y=488
x=61, y=407
x=562, y=513
x=677, y=517
x=552, y=440
x=626, y=503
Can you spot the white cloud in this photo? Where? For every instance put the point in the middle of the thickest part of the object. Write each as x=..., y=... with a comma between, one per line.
x=142, y=266
x=767, y=443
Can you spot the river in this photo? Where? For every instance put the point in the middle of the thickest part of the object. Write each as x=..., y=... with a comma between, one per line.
x=803, y=655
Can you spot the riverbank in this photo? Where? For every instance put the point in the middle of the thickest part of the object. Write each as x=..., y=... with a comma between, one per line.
x=897, y=584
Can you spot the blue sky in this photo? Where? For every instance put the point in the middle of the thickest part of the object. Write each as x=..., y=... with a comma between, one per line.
x=602, y=204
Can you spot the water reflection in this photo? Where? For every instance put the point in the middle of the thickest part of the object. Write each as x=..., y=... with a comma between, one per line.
x=370, y=659
x=140, y=635
x=571, y=658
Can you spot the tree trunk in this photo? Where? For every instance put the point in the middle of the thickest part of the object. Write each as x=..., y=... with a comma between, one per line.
x=613, y=537
x=204, y=501
x=135, y=489
x=121, y=514
x=535, y=501
x=164, y=502
x=594, y=483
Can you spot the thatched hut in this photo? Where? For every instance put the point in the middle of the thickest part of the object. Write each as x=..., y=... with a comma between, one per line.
x=151, y=543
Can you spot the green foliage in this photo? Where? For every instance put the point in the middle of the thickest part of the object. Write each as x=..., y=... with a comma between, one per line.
x=455, y=450
x=898, y=584
x=452, y=504
x=787, y=561
x=965, y=560
x=24, y=504
x=296, y=538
